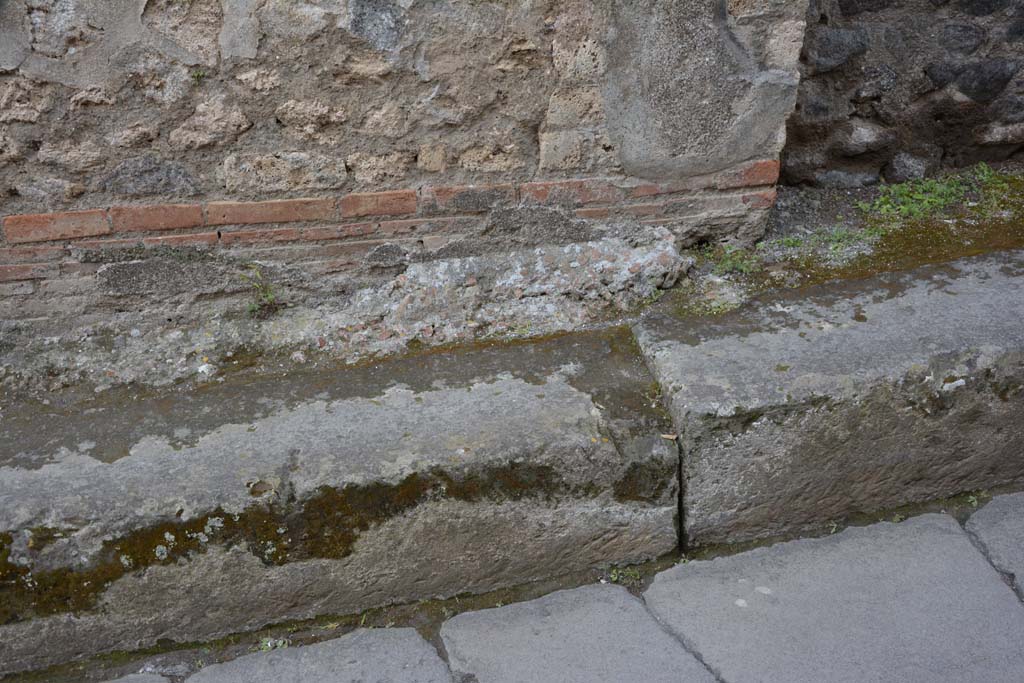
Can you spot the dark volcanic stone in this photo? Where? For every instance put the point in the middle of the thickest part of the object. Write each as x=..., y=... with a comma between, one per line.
x=851, y=7
x=983, y=81
x=981, y=8
x=962, y=38
x=943, y=73
x=830, y=48
x=1008, y=110
x=877, y=81
x=1015, y=31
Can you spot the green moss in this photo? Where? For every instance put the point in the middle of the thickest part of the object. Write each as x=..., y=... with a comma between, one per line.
x=279, y=531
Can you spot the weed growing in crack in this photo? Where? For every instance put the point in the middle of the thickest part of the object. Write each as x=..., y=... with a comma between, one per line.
x=729, y=259
x=917, y=199
x=625, y=576
x=265, y=302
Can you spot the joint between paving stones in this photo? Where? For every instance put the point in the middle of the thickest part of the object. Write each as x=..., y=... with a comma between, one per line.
x=1005, y=576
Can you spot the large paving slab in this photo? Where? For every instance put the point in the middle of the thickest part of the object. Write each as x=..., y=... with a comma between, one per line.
x=187, y=515
x=999, y=528
x=594, y=633
x=397, y=655
x=810, y=405
x=902, y=602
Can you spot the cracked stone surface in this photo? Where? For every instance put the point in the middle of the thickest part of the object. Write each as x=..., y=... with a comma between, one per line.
x=891, y=602
x=807, y=406
x=999, y=528
x=914, y=601
x=196, y=515
x=595, y=633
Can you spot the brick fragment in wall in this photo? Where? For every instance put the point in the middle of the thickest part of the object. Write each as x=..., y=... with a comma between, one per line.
x=55, y=226
x=394, y=203
x=277, y=211
x=159, y=217
x=466, y=198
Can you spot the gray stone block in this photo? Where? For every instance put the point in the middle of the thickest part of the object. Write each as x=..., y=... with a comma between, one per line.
x=806, y=407
x=594, y=633
x=397, y=655
x=140, y=678
x=999, y=528
x=913, y=602
x=193, y=515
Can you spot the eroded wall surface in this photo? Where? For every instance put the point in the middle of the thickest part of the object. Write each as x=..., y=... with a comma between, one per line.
x=899, y=89
x=350, y=139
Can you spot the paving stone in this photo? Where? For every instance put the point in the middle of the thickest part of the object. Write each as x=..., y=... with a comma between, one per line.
x=140, y=678
x=397, y=655
x=595, y=633
x=808, y=406
x=999, y=527
x=891, y=602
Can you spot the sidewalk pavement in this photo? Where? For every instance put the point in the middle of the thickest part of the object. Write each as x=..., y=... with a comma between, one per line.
x=922, y=600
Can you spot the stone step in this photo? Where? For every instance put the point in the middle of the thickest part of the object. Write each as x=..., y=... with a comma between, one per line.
x=808, y=406
x=136, y=518
x=913, y=601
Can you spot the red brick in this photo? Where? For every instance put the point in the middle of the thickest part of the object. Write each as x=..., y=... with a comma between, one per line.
x=158, y=217
x=656, y=189
x=760, y=200
x=31, y=254
x=420, y=226
x=658, y=209
x=251, y=236
x=201, y=238
x=47, y=227
x=466, y=198
x=28, y=271
x=393, y=203
x=278, y=211
x=753, y=174
x=571, y=192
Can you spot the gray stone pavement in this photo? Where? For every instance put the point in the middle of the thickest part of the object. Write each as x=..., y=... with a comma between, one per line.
x=914, y=601
x=998, y=528
x=594, y=633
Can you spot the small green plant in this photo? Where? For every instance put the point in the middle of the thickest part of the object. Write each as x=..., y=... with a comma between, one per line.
x=627, y=576
x=993, y=188
x=730, y=259
x=972, y=500
x=265, y=301
x=838, y=239
x=268, y=644
x=198, y=76
x=917, y=199
x=791, y=242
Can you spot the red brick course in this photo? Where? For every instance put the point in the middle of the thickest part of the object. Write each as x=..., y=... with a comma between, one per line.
x=466, y=198
x=572, y=192
x=431, y=214
x=159, y=217
x=48, y=227
x=28, y=271
x=754, y=174
x=280, y=211
x=31, y=254
x=394, y=203
x=195, y=239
